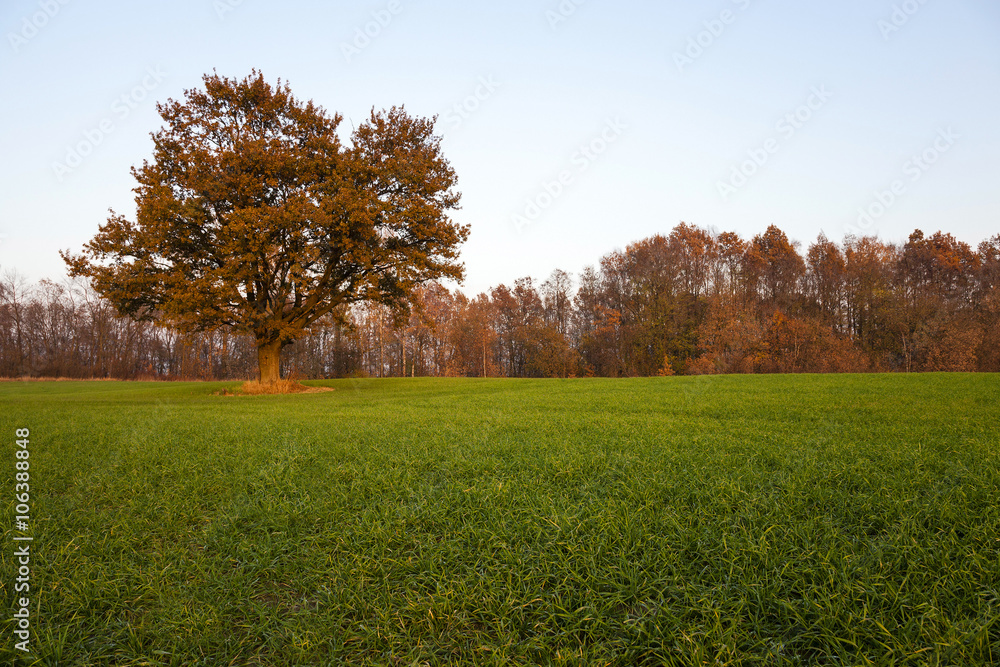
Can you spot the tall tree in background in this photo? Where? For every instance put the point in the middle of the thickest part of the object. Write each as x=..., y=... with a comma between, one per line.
x=825, y=281
x=253, y=215
x=774, y=266
x=937, y=277
x=557, y=297
x=987, y=303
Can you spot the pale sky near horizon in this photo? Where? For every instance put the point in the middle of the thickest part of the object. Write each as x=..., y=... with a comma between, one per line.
x=730, y=114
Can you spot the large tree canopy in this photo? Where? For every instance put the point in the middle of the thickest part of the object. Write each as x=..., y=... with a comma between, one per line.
x=253, y=214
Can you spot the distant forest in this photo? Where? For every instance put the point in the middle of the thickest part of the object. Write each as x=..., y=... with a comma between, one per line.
x=690, y=302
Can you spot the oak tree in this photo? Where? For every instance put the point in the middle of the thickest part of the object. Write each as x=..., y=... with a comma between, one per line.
x=253, y=214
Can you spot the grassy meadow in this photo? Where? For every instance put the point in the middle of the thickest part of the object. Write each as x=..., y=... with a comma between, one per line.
x=725, y=520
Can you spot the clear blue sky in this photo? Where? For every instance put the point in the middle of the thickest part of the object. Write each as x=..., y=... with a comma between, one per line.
x=667, y=119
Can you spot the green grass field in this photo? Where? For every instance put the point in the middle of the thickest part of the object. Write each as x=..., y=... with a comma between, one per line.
x=737, y=520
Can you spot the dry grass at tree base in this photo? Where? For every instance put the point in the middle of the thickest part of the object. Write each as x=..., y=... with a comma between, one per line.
x=257, y=388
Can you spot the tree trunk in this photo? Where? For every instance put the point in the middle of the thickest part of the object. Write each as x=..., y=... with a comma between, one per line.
x=381, y=350
x=268, y=359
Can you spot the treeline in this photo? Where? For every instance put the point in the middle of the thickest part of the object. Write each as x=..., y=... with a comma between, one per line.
x=691, y=302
